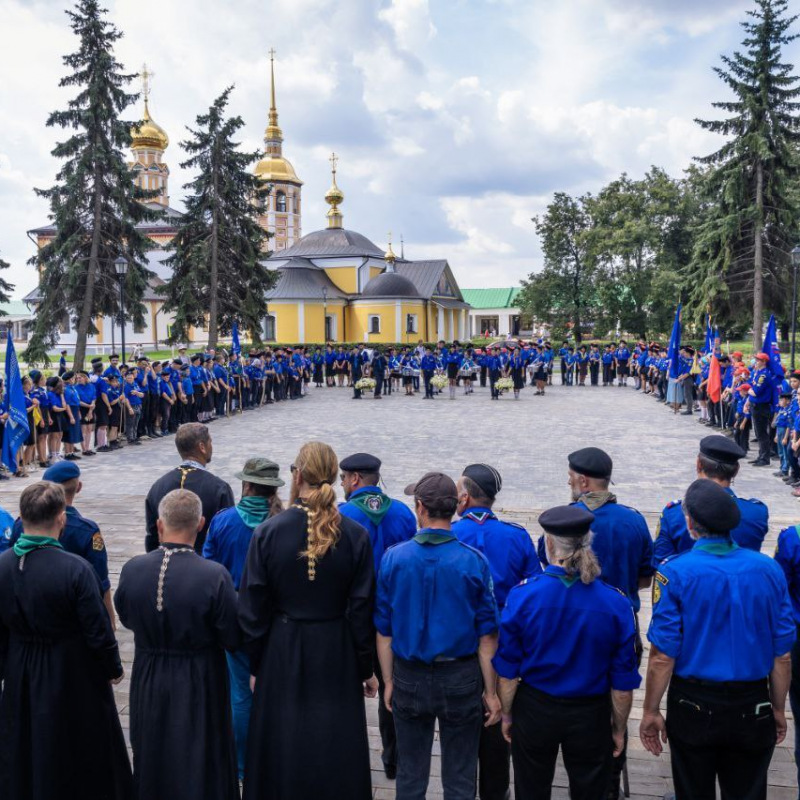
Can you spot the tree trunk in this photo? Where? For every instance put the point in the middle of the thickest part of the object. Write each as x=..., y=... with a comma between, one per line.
x=85, y=318
x=758, y=263
x=576, y=282
x=213, y=305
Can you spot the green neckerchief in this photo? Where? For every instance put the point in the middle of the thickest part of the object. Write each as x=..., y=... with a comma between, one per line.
x=718, y=547
x=27, y=544
x=567, y=580
x=373, y=503
x=434, y=536
x=253, y=510
x=593, y=500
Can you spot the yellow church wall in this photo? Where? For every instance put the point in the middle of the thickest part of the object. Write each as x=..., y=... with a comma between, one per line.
x=417, y=308
x=286, y=329
x=358, y=323
x=344, y=278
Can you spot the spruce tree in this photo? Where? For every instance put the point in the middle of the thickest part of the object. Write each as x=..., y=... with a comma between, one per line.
x=94, y=204
x=217, y=274
x=750, y=220
x=5, y=287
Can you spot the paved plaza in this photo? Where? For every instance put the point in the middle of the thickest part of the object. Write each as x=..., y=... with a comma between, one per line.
x=527, y=440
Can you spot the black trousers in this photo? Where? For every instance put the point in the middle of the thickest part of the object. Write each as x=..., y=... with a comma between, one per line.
x=483, y=376
x=580, y=726
x=760, y=413
x=606, y=374
x=385, y=721
x=594, y=370
x=494, y=760
x=379, y=381
x=722, y=732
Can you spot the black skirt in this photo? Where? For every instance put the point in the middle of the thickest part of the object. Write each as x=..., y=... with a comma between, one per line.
x=101, y=414
x=452, y=371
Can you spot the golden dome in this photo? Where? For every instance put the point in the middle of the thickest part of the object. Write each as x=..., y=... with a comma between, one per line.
x=276, y=169
x=334, y=195
x=149, y=133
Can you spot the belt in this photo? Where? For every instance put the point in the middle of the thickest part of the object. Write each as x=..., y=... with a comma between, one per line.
x=448, y=660
x=677, y=680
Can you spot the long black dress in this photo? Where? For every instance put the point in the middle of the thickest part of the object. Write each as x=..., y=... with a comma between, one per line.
x=60, y=736
x=310, y=645
x=181, y=727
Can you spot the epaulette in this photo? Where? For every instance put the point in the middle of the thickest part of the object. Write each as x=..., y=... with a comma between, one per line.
x=515, y=525
x=673, y=503
x=670, y=559
x=526, y=581
x=756, y=500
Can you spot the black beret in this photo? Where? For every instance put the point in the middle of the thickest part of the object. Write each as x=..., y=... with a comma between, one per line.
x=67, y=375
x=570, y=521
x=592, y=462
x=787, y=395
x=488, y=478
x=52, y=381
x=722, y=449
x=196, y=357
x=97, y=360
x=360, y=462
x=711, y=506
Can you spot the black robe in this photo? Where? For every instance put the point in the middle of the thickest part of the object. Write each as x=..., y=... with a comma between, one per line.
x=181, y=727
x=60, y=735
x=310, y=645
x=214, y=494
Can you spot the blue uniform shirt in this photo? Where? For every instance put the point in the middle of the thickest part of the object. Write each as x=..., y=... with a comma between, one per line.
x=623, y=547
x=227, y=542
x=434, y=598
x=385, y=526
x=722, y=612
x=507, y=547
x=673, y=537
x=787, y=554
x=80, y=536
x=568, y=638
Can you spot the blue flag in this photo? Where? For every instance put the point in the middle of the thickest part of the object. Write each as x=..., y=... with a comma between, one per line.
x=771, y=348
x=17, y=428
x=673, y=351
x=236, y=347
x=709, y=343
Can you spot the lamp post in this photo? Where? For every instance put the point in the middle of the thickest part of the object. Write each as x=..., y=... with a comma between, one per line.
x=121, y=267
x=325, y=313
x=795, y=265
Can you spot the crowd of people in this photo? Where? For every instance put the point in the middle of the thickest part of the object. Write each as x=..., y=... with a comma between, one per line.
x=259, y=628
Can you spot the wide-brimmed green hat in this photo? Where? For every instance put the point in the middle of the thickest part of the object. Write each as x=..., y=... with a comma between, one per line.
x=261, y=470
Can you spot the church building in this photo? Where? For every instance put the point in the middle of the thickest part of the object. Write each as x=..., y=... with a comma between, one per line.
x=333, y=284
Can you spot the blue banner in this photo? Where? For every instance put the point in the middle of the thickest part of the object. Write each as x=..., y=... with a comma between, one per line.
x=236, y=347
x=771, y=348
x=674, y=349
x=17, y=428
x=709, y=343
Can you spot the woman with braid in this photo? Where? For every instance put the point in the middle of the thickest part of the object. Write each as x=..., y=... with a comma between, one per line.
x=305, y=609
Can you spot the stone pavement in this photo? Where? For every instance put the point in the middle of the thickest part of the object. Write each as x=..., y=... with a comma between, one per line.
x=527, y=440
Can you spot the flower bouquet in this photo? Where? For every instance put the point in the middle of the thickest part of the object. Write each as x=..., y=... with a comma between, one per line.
x=504, y=384
x=439, y=381
x=365, y=384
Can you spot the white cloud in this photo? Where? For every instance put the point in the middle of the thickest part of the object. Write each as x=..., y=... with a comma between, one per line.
x=411, y=22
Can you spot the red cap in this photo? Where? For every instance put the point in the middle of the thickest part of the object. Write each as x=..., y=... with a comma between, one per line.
x=762, y=357
x=737, y=354
x=745, y=387
x=742, y=371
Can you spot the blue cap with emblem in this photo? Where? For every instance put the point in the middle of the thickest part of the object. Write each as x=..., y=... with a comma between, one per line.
x=61, y=472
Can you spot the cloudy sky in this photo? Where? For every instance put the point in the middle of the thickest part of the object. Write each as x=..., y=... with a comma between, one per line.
x=455, y=120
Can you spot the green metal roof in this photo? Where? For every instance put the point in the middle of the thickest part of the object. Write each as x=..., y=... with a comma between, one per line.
x=16, y=308
x=490, y=298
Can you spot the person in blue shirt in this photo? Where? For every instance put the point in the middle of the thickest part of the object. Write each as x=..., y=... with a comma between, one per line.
x=567, y=665
x=608, y=365
x=512, y=558
x=787, y=555
x=621, y=361
x=73, y=435
x=761, y=409
x=428, y=368
x=563, y=353
x=718, y=460
x=436, y=618
x=452, y=363
x=166, y=401
x=720, y=638
x=227, y=542
x=388, y=522
x=494, y=366
x=80, y=536
x=133, y=394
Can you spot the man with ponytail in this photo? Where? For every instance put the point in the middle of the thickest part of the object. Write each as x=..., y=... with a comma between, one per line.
x=437, y=632
x=305, y=607
x=567, y=665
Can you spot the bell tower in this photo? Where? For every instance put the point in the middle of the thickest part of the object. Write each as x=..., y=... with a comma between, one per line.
x=148, y=143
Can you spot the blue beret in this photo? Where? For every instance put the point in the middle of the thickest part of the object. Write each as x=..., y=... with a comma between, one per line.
x=360, y=462
x=61, y=472
x=568, y=521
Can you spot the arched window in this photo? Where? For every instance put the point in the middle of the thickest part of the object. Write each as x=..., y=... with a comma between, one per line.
x=280, y=202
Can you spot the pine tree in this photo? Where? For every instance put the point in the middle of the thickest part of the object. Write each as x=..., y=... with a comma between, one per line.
x=5, y=287
x=217, y=270
x=94, y=204
x=750, y=219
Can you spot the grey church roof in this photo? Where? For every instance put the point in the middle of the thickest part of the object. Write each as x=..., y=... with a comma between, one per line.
x=301, y=280
x=332, y=243
x=390, y=284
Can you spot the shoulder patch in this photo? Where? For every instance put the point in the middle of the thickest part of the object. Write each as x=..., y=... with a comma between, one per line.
x=97, y=542
x=661, y=579
x=673, y=503
x=756, y=500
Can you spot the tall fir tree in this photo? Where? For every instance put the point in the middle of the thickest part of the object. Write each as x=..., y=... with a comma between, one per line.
x=217, y=254
x=94, y=205
x=750, y=217
x=5, y=287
